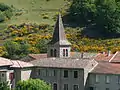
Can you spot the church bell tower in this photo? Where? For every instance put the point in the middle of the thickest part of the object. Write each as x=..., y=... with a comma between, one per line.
x=59, y=46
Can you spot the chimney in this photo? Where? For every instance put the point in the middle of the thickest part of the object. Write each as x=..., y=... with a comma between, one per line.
x=103, y=52
x=109, y=53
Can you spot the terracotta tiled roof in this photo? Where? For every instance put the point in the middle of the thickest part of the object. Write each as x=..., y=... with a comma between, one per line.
x=5, y=62
x=103, y=57
x=38, y=56
x=20, y=64
x=116, y=58
x=107, y=68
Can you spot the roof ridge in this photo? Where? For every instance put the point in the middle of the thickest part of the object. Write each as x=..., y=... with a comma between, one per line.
x=113, y=56
x=19, y=63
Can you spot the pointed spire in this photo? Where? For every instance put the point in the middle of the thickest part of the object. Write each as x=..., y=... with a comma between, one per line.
x=59, y=34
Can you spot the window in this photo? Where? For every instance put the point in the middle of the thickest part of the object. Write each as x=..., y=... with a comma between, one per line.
x=91, y=88
x=96, y=78
x=95, y=88
x=75, y=87
x=54, y=86
x=66, y=52
x=55, y=53
x=55, y=73
x=65, y=73
x=118, y=79
x=107, y=79
x=39, y=72
x=65, y=86
x=107, y=89
x=75, y=74
x=2, y=75
x=51, y=52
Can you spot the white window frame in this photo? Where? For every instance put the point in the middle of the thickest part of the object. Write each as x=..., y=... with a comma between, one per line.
x=107, y=79
x=97, y=78
x=118, y=79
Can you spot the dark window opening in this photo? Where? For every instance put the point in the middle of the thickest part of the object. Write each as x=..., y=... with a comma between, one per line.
x=75, y=87
x=54, y=86
x=75, y=74
x=55, y=73
x=51, y=52
x=39, y=72
x=55, y=53
x=91, y=88
x=66, y=52
x=65, y=73
x=65, y=86
x=107, y=88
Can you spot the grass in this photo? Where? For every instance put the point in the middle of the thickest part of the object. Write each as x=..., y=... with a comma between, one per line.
x=32, y=10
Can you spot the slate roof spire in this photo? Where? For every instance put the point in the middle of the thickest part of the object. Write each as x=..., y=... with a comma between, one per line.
x=59, y=33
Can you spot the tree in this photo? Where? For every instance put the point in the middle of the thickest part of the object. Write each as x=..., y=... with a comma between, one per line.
x=107, y=18
x=2, y=17
x=42, y=45
x=104, y=14
x=4, y=7
x=4, y=86
x=33, y=84
x=83, y=10
x=16, y=50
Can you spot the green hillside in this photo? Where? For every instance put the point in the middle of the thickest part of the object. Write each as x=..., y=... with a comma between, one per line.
x=34, y=10
x=31, y=28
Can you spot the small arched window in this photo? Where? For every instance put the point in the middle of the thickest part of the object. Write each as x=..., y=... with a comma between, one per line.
x=55, y=53
x=54, y=86
x=66, y=52
x=51, y=52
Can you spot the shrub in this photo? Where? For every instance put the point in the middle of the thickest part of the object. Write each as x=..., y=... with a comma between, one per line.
x=33, y=84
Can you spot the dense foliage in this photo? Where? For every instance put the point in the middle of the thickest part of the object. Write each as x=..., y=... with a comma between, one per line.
x=16, y=50
x=104, y=14
x=6, y=12
x=33, y=84
x=4, y=86
x=33, y=38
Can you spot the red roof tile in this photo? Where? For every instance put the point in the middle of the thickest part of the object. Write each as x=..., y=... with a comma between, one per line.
x=107, y=68
x=103, y=57
x=116, y=58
